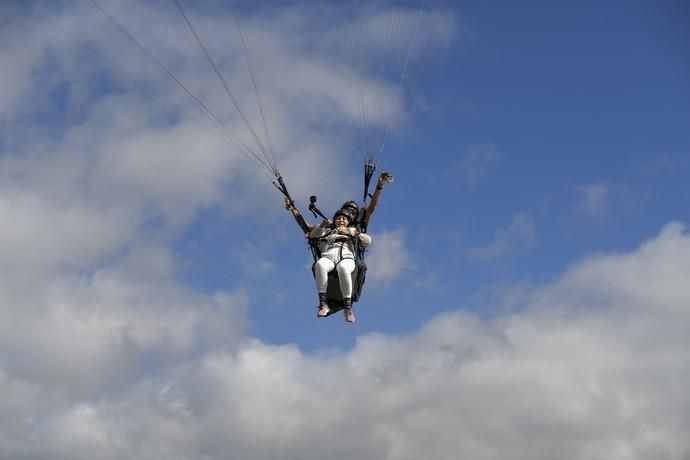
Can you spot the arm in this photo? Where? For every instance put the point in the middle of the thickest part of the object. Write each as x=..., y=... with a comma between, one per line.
x=319, y=230
x=383, y=180
x=303, y=224
x=364, y=239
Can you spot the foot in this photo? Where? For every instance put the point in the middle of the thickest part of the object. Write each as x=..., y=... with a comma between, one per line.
x=349, y=315
x=323, y=311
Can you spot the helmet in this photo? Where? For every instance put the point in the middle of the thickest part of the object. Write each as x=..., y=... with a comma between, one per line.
x=352, y=205
x=347, y=213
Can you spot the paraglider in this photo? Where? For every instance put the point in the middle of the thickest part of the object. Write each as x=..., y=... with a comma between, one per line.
x=338, y=249
x=338, y=246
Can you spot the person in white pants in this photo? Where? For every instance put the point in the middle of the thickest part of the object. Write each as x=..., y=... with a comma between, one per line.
x=337, y=253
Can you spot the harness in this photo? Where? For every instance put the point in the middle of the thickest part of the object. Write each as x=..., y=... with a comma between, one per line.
x=352, y=241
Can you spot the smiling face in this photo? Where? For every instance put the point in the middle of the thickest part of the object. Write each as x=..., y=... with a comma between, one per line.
x=341, y=221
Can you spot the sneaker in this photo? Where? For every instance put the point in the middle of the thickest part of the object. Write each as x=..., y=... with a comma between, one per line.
x=349, y=315
x=323, y=311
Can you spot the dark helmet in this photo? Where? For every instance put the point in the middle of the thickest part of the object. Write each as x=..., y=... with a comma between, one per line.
x=351, y=217
x=352, y=205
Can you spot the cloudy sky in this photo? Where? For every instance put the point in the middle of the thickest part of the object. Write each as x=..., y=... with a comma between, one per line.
x=528, y=293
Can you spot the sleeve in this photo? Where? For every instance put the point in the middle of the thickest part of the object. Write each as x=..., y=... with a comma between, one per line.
x=317, y=232
x=364, y=239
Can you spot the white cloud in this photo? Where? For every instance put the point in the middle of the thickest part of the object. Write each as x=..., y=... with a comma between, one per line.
x=615, y=279
x=520, y=234
x=91, y=332
x=388, y=257
x=593, y=367
x=129, y=145
x=42, y=232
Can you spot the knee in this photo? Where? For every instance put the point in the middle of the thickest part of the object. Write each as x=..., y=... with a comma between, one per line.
x=345, y=269
x=323, y=265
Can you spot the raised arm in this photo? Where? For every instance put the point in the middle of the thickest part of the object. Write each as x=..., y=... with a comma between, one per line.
x=320, y=230
x=303, y=224
x=383, y=179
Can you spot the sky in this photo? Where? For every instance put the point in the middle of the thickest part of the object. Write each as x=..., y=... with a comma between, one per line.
x=527, y=294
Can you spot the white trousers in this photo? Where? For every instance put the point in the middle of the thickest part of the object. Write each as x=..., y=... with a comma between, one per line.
x=345, y=268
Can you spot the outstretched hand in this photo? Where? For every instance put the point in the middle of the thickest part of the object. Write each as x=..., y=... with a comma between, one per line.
x=384, y=178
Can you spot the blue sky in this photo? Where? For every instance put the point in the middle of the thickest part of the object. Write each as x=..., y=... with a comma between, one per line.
x=528, y=291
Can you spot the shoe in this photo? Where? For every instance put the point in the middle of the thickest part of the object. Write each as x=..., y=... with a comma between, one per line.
x=349, y=315
x=324, y=310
